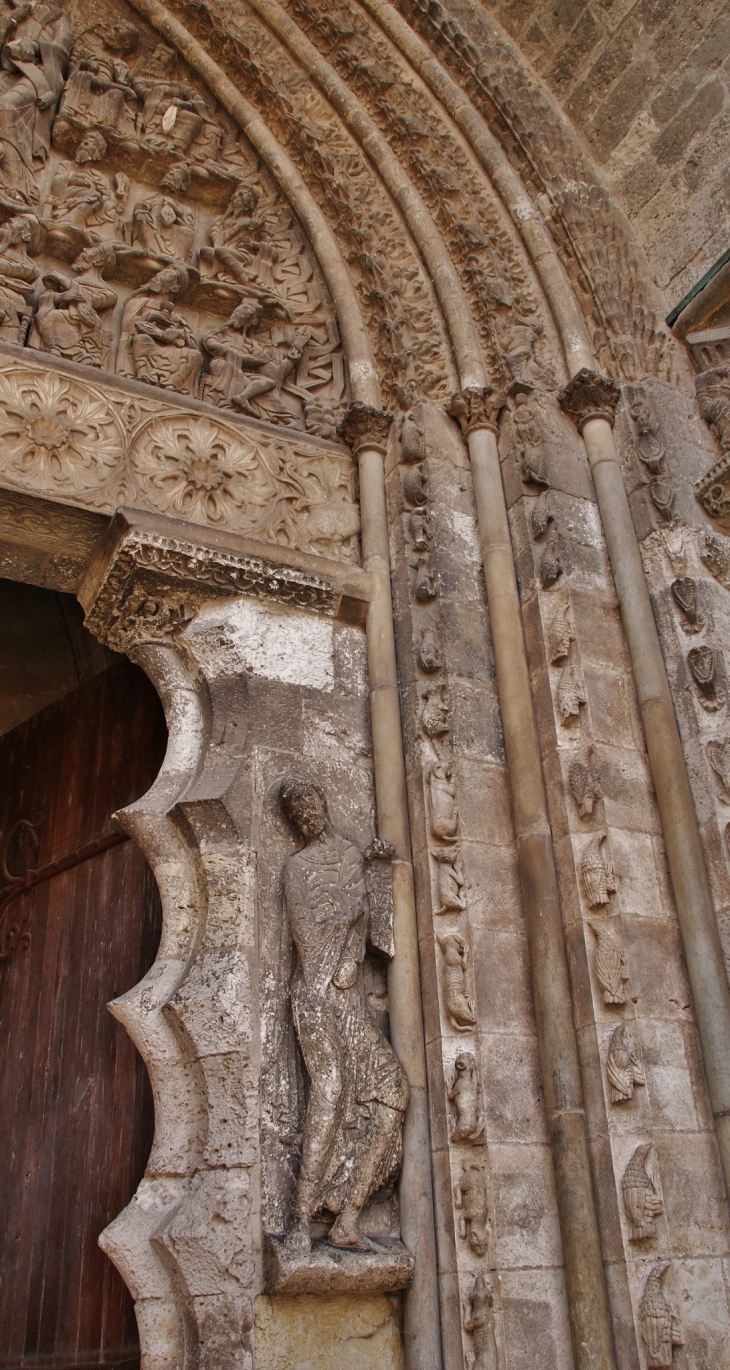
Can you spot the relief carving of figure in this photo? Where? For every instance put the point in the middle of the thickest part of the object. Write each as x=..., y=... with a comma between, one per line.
x=661, y=1330
x=357, y=1090
x=36, y=41
x=88, y=200
x=175, y=118
x=66, y=321
x=98, y=89
x=156, y=343
x=18, y=274
x=471, y=1199
x=479, y=1323
x=244, y=368
x=463, y=1096
x=239, y=239
x=163, y=228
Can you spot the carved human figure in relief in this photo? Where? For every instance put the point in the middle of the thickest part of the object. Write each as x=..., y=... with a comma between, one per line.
x=239, y=239
x=18, y=274
x=67, y=322
x=163, y=228
x=36, y=40
x=358, y=1092
x=85, y=199
x=245, y=369
x=98, y=88
x=174, y=118
x=156, y=343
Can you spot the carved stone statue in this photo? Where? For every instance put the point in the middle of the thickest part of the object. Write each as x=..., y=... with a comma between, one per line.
x=174, y=118
x=459, y=1005
x=472, y=1203
x=156, y=343
x=36, y=41
x=479, y=1323
x=610, y=962
x=245, y=368
x=238, y=238
x=463, y=1096
x=18, y=274
x=357, y=1090
x=66, y=321
x=623, y=1067
x=660, y=1327
x=640, y=1189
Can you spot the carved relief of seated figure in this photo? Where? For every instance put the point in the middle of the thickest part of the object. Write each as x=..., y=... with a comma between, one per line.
x=245, y=368
x=35, y=39
x=157, y=345
x=67, y=322
x=18, y=274
x=86, y=199
x=238, y=239
x=163, y=228
x=358, y=1091
x=175, y=117
x=98, y=88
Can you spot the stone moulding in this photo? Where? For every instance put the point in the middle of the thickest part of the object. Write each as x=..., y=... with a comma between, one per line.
x=70, y=438
x=150, y=578
x=331, y=1271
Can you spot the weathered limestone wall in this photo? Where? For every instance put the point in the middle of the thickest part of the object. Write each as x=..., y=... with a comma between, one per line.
x=646, y=84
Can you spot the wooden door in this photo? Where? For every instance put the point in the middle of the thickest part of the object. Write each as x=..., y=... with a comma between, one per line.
x=82, y=927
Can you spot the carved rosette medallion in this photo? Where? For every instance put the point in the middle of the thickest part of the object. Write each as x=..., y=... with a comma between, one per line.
x=57, y=435
x=476, y=408
x=589, y=396
x=366, y=426
x=197, y=469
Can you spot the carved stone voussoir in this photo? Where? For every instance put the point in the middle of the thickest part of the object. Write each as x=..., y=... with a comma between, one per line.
x=365, y=426
x=477, y=407
x=153, y=583
x=589, y=396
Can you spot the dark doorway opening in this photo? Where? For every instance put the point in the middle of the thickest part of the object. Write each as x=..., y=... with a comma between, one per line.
x=79, y=925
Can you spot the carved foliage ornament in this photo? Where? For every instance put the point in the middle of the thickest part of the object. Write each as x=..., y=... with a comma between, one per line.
x=477, y=407
x=63, y=436
x=365, y=426
x=589, y=396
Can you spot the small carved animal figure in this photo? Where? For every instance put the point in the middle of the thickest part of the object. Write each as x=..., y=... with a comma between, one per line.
x=718, y=755
x=414, y=485
x=660, y=1327
x=420, y=530
x=411, y=438
x=650, y=446
x=684, y=590
x=552, y=563
x=571, y=693
x=642, y=1199
x=450, y=880
x=585, y=782
x=597, y=873
x=459, y=1006
x=479, y=1322
x=663, y=496
x=425, y=585
x=560, y=632
x=444, y=813
x=542, y=514
x=429, y=652
x=464, y=1097
x=472, y=1202
x=623, y=1067
x=610, y=963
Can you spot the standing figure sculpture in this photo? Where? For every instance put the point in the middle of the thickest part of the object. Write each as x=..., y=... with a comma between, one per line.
x=358, y=1092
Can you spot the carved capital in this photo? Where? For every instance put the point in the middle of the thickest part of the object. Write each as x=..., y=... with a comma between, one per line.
x=589, y=396
x=477, y=407
x=365, y=426
x=149, y=583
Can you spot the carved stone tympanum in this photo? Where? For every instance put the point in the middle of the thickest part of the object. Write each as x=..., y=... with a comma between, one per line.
x=357, y=1090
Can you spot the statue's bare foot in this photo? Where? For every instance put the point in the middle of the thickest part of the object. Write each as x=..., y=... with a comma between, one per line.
x=344, y=1233
x=298, y=1241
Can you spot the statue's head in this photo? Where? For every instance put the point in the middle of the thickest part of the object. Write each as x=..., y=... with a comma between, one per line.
x=244, y=198
x=304, y=804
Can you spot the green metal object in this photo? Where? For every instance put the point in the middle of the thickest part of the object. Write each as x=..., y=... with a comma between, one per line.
x=672, y=318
